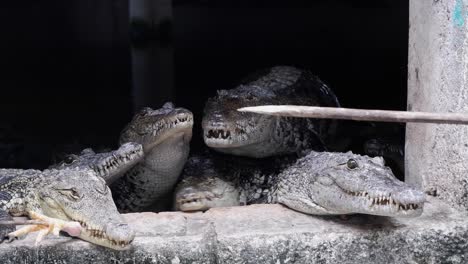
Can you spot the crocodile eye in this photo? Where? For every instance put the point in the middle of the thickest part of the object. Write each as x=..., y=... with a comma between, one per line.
x=69, y=159
x=75, y=193
x=352, y=164
x=143, y=112
x=70, y=193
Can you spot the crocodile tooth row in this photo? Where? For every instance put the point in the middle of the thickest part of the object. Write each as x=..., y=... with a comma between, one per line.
x=383, y=200
x=101, y=234
x=156, y=127
x=217, y=133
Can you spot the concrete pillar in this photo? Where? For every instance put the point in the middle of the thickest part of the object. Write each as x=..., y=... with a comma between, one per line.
x=437, y=155
x=152, y=52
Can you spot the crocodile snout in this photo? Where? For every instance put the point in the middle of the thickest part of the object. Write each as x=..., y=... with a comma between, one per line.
x=120, y=233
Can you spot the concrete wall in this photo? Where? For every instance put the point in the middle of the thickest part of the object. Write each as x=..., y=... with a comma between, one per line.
x=437, y=155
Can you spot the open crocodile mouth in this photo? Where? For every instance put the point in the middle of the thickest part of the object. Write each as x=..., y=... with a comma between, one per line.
x=181, y=121
x=152, y=133
x=225, y=137
x=100, y=237
x=218, y=134
x=117, y=161
x=388, y=201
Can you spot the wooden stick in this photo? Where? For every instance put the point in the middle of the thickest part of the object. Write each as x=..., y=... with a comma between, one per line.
x=358, y=114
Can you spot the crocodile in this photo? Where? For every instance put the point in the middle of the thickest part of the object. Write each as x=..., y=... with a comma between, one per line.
x=320, y=183
x=140, y=174
x=64, y=199
x=108, y=165
x=165, y=135
x=228, y=131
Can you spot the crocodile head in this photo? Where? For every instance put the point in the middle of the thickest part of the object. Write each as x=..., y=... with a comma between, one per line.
x=253, y=135
x=202, y=188
x=200, y=194
x=347, y=183
x=152, y=127
x=108, y=165
x=229, y=131
x=82, y=196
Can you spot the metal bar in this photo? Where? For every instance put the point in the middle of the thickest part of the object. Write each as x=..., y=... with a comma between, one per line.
x=358, y=114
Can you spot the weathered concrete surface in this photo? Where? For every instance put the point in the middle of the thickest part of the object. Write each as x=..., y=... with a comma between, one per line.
x=437, y=155
x=267, y=234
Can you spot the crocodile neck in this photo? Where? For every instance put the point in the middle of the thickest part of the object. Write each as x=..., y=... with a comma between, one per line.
x=158, y=172
x=293, y=135
x=258, y=180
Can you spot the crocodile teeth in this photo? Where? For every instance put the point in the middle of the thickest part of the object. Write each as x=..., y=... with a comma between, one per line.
x=219, y=133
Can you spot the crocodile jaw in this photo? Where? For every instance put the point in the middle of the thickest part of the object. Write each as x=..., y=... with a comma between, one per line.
x=407, y=203
x=120, y=161
x=119, y=238
x=228, y=135
x=373, y=189
x=112, y=232
x=241, y=138
x=108, y=165
x=337, y=201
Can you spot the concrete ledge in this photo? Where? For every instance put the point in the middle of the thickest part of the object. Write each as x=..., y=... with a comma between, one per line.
x=267, y=234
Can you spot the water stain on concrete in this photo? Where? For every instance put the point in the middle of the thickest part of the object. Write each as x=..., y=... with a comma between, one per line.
x=459, y=14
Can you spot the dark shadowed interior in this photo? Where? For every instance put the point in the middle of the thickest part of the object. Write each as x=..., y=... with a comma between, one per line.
x=67, y=79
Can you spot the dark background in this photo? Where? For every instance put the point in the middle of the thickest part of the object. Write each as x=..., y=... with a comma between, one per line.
x=66, y=79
